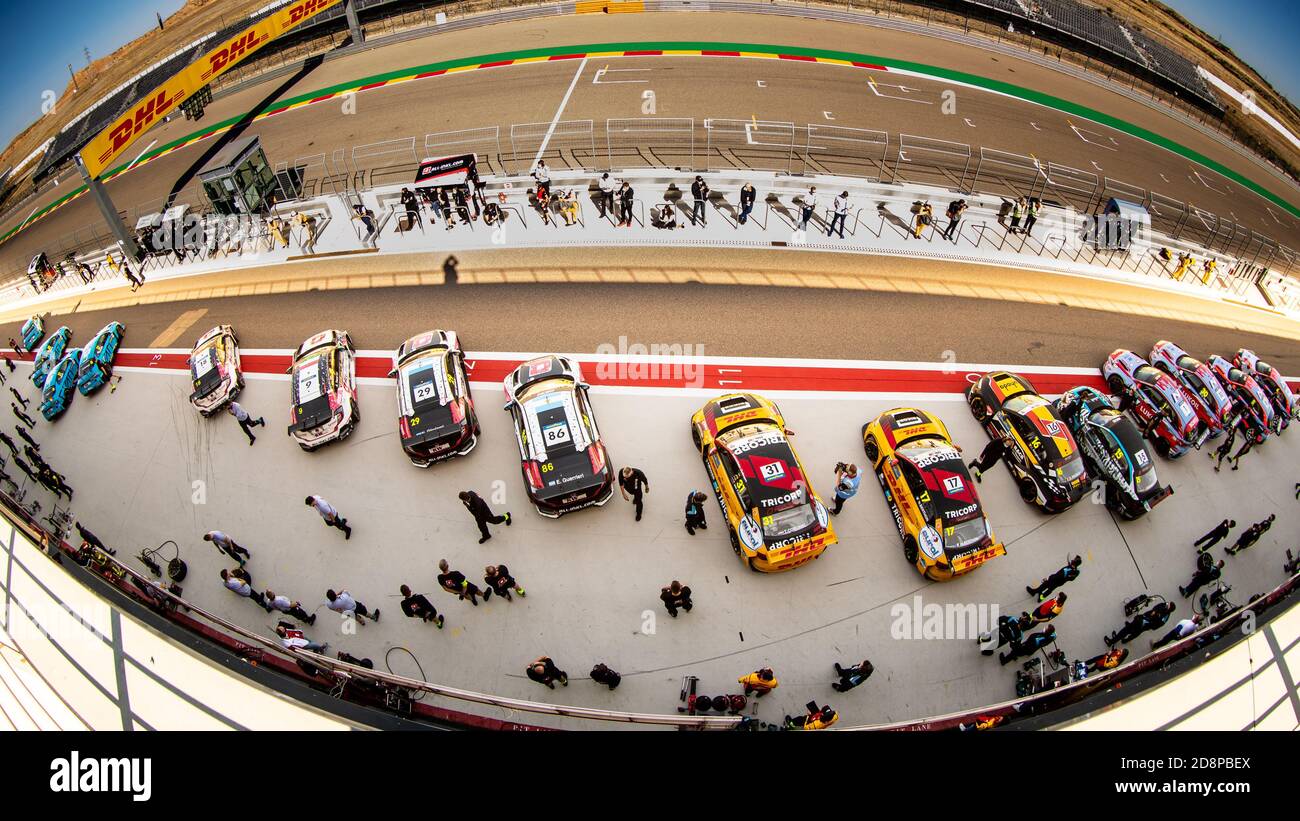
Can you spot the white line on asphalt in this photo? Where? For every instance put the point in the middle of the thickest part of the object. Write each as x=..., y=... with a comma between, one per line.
x=600, y=73
x=828, y=115
x=872, y=83
x=1079, y=132
x=1035, y=125
x=141, y=154
x=968, y=122
x=761, y=83
x=559, y=111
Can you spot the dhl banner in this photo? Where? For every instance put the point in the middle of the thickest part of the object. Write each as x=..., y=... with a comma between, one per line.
x=112, y=141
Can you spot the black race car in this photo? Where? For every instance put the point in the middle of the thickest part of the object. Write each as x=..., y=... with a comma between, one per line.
x=436, y=417
x=1114, y=450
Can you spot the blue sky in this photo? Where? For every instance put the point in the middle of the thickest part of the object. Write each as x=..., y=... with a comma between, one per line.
x=43, y=37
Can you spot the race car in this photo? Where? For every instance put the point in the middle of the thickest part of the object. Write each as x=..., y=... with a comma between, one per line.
x=1253, y=404
x=565, y=465
x=60, y=385
x=49, y=354
x=774, y=518
x=323, y=390
x=1211, y=401
x=1114, y=450
x=929, y=491
x=215, y=370
x=97, y=358
x=1267, y=377
x=436, y=417
x=1042, y=457
x=33, y=330
x=1160, y=403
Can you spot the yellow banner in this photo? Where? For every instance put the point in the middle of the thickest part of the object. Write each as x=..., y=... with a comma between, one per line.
x=100, y=152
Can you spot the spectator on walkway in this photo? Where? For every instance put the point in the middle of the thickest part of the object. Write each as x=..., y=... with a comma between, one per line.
x=851, y=677
x=246, y=422
x=477, y=188
x=1202, y=577
x=992, y=453
x=626, y=197
x=283, y=604
x=1031, y=211
x=330, y=515
x=411, y=206
x=495, y=212
x=840, y=206
x=1030, y=645
x=676, y=595
x=454, y=581
x=543, y=199
x=239, y=585
x=342, y=602
x=601, y=674
x=418, y=606
x=817, y=718
x=1045, y=612
x=955, y=210
x=444, y=208
x=605, y=200
x=760, y=682
x=747, y=197
x=542, y=175
x=695, y=512
x=93, y=540
x=366, y=217
x=1068, y=573
x=308, y=224
x=924, y=218
x=544, y=671
x=497, y=578
x=482, y=514
x=1152, y=619
x=666, y=216
x=294, y=639
x=808, y=208
x=228, y=546
x=569, y=207
x=846, y=485
x=1017, y=211
x=699, y=196
x=1107, y=661
x=460, y=197
x=1218, y=534
x=632, y=483
x=22, y=417
x=1181, y=630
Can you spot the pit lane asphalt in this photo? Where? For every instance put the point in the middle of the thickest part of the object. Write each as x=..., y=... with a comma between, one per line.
x=696, y=87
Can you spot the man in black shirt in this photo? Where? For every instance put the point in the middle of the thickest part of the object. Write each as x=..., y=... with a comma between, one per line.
x=482, y=514
x=1203, y=576
x=21, y=400
x=632, y=481
x=1150, y=620
x=699, y=196
x=26, y=437
x=695, y=512
x=747, y=197
x=625, y=200
x=454, y=581
x=416, y=606
x=24, y=418
x=1215, y=536
x=674, y=596
x=1068, y=573
x=9, y=443
x=989, y=457
x=93, y=540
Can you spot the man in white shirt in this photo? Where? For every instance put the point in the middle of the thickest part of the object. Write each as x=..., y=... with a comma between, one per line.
x=543, y=176
x=342, y=602
x=1181, y=630
x=227, y=545
x=606, y=201
x=245, y=421
x=330, y=515
x=293, y=638
x=841, y=208
x=240, y=587
x=284, y=604
x=809, y=208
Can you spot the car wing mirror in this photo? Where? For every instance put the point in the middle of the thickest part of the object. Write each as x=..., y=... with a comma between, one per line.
x=289, y=369
x=392, y=373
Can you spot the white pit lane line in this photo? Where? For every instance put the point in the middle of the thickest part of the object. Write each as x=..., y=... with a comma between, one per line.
x=1201, y=179
x=875, y=89
x=599, y=79
x=1101, y=141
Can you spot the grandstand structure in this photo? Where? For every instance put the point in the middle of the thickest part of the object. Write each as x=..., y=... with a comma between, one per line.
x=1077, y=23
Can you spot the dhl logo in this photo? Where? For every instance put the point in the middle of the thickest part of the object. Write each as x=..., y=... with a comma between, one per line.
x=302, y=11
x=235, y=50
x=138, y=121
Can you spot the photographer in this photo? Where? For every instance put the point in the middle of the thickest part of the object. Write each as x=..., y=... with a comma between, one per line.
x=846, y=485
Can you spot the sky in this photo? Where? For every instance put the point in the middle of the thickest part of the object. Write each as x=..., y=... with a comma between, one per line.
x=43, y=37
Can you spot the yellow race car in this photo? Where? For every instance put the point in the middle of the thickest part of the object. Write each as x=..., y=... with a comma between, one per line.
x=930, y=493
x=774, y=517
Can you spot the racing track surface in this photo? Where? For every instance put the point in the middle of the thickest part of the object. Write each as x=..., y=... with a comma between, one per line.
x=153, y=470
x=698, y=87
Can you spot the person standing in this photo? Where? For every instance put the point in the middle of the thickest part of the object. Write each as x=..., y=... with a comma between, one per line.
x=748, y=195
x=93, y=540
x=1031, y=214
x=699, y=196
x=284, y=604
x=1017, y=211
x=992, y=453
x=632, y=481
x=9, y=443
x=366, y=217
x=1181, y=630
x=1218, y=534
x=26, y=437
x=695, y=512
x=542, y=175
x=840, y=205
x=497, y=578
x=544, y=671
x=605, y=201
x=808, y=208
x=21, y=399
x=418, y=606
x=482, y=514
x=851, y=677
x=625, y=199
x=228, y=546
x=22, y=417
x=676, y=595
x=760, y=682
x=1202, y=577
x=411, y=205
x=1045, y=612
x=342, y=602
x=330, y=515
x=454, y=581
x=601, y=674
x=1249, y=536
x=240, y=587
x=846, y=485
x=955, y=210
x=1010, y=631
x=1030, y=645
x=1068, y=573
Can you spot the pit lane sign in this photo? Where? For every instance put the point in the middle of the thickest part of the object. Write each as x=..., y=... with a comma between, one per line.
x=100, y=152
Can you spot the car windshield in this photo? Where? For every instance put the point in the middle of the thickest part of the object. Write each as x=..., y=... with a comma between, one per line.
x=962, y=535
x=1187, y=363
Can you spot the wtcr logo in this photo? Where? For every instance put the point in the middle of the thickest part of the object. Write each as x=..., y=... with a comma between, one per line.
x=124, y=775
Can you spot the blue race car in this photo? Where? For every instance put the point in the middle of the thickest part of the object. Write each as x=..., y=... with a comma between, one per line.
x=33, y=330
x=49, y=354
x=97, y=358
x=59, y=387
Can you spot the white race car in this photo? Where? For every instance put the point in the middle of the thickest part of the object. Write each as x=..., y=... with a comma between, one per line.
x=214, y=370
x=324, y=390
